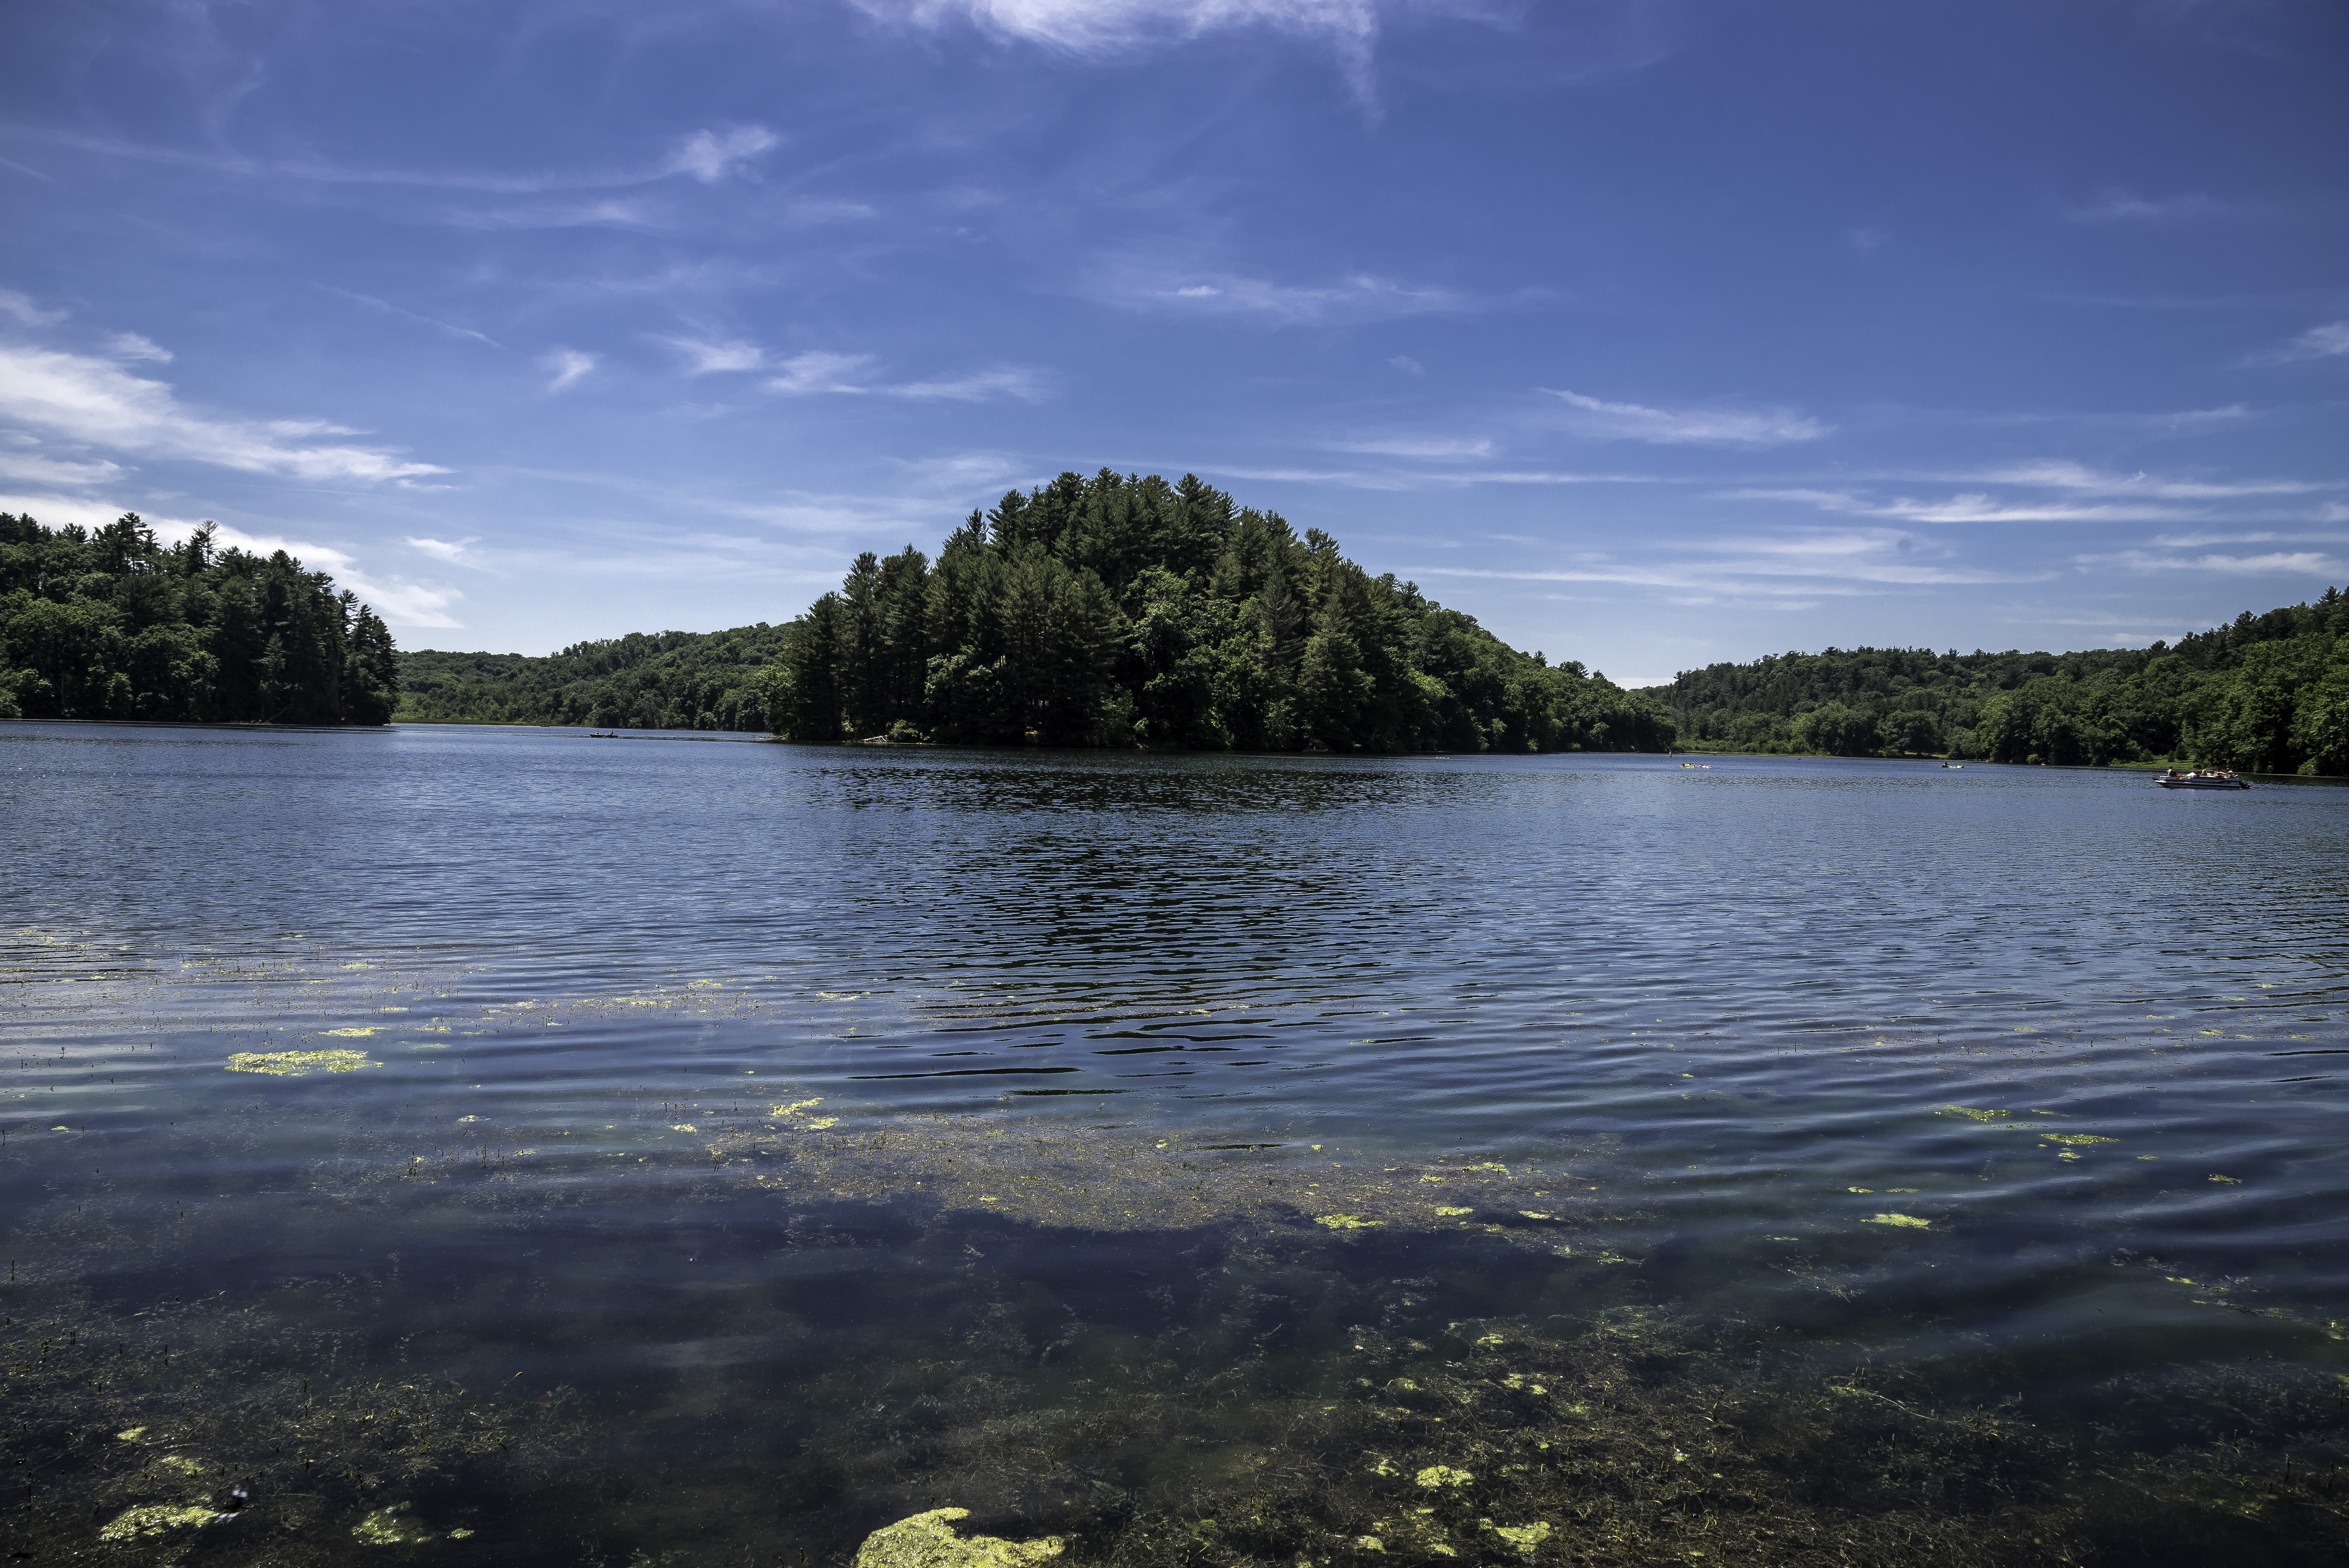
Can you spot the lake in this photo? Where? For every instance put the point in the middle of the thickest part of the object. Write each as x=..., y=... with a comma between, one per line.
x=513, y=1146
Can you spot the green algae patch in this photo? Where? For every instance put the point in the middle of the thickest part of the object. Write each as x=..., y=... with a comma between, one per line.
x=1972, y=1114
x=352, y=1034
x=1347, y=1221
x=2075, y=1137
x=293, y=1064
x=1435, y=1477
x=1525, y=1538
x=155, y=1519
x=389, y=1527
x=1909, y=1220
x=929, y=1541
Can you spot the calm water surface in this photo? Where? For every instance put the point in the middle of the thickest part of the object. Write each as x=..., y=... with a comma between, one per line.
x=754, y=1145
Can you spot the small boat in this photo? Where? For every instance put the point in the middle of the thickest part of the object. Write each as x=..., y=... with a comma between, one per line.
x=603, y=735
x=2174, y=780
x=1700, y=766
x=1954, y=767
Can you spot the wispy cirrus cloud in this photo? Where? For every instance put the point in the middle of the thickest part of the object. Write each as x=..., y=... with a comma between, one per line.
x=1804, y=564
x=2118, y=204
x=1602, y=420
x=711, y=155
x=91, y=401
x=455, y=551
x=34, y=468
x=707, y=358
x=707, y=155
x=2276, y=563
x=1349, y=28
x=566, y=367
x=1361, y=298
x=816, y=372
x=1441, y=448
x=21, y=309
x=387, y=308
x=2330, y=341
x=2053, y=492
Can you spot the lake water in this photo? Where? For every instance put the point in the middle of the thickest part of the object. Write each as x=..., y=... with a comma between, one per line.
x=1202, y=1159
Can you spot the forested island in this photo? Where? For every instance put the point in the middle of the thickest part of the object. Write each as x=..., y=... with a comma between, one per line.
x=1127, y=611
x=116, y=624
x=2268, y=693
x=1114, y=611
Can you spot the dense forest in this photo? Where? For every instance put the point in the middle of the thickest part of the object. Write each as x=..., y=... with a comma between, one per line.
x=665, y=680
x=116, y=624
x=1122, y=611
x=2267, y=693
x=1114, y=611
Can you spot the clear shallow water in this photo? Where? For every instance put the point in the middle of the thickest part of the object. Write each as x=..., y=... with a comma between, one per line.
x=1227, y=1090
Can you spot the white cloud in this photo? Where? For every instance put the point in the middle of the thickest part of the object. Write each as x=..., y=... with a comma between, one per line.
x=961, y=471
x=709, y=156
x=566, y=366
x=2118, y=205
x=1362, y=297
x=707, y=358
x=2330, y=341
x=1009, y=382
x=450, y=551
x=819, y=372
x=1407, y=365
x=2078, y=477
x=1715, y=426
x=816, y=371
x=2080, y=494
x=22, y=309
x=98, y=403
x=39, y=469
x=2297, y=563
x=1106, y=27
x=131, y=346
x=1867, y=238
x=1406, y=446
x=1823, y=563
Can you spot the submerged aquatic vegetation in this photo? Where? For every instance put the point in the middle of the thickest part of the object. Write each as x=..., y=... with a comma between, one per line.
x=929, y=1541
x=293, y=1064
x=390, y=1526
x=1114, y=1180
x=155, y=1519
x=1909, y=1220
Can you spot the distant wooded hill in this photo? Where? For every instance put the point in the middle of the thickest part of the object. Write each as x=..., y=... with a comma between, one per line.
x=1110, y=611
x=2268, y=693
x=661, y=680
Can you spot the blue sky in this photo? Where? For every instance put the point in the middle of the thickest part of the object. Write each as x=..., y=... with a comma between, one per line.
x=1650, y=333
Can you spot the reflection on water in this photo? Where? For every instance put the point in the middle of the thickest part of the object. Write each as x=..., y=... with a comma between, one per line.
x=437, y=1142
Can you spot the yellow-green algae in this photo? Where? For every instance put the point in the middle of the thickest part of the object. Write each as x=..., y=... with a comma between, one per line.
x=929, y=1541
x=1525, y=1538
x=156, y=1519
x=1909, y=1220
x=389, y=1527
x=293, y=1064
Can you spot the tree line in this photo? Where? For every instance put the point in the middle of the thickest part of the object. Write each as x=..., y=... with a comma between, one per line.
x=2267, y=693
x=114, y=624
x=659, y=680
x=1120, y=609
